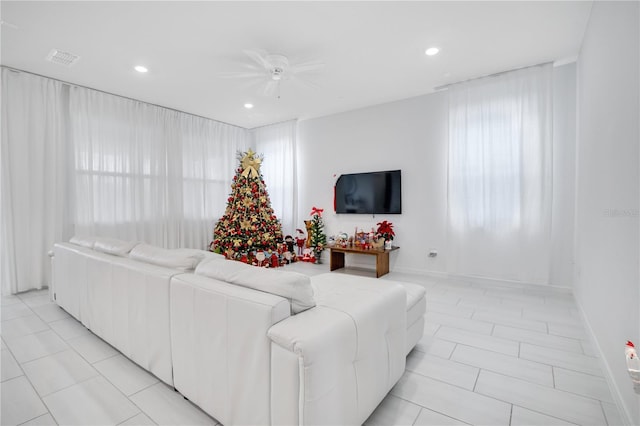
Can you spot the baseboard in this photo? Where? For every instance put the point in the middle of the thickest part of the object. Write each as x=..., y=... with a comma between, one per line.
x=615, y=391
x=472, y=278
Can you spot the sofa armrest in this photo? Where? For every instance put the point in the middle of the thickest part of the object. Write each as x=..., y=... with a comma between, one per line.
x=336, y=363
x=315, y=334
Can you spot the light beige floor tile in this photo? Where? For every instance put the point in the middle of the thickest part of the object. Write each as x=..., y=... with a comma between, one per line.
x=567, y=330
x=429, y=418
x=22, y=326
x=430, y=328
x=138, y=420
x=523, y=417
x=582, y=384
x=449, y=309
x=92, y=402
x=33, y=293
x=496, y=344
x=555, y=315
x=20, y=402
x=68, y=328
x=504, y=364
x=33, y=346
x=436, y=347
x=125, y=374
x=167, y=407
x=542, y=399
x=58, y=371
x=45, y=420
x=393, y=411
x=474, y=326
x=92, y=348
x=442, y=369
x=452, y=401
x=537, y=338
x=15, y=310
x=510, y=321
x=8, y=366
x=9, y=300
x=50, y=312
x=557, y=358
x=32, y=302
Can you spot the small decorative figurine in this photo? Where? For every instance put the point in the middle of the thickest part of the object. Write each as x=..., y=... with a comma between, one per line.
x=289, y=242
x=300, y=240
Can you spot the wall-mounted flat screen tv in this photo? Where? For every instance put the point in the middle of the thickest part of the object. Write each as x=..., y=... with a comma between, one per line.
x=369, y=193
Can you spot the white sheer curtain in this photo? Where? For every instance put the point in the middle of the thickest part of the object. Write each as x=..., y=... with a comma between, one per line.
x=278, y=144
x=34, y=163
x=74, y=160
x=500, y=176
x=209, y=159
x=148, y=173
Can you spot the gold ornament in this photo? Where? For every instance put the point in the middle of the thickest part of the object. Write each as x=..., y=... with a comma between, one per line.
x=245, y=224
x=250, y=164
x=248, y=202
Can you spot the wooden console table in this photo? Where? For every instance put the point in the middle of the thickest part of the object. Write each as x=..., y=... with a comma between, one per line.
x=382, y=258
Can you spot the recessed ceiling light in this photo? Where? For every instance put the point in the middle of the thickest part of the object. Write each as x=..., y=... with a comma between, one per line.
x=140, y=68
x=432, y=51
x=248, y=106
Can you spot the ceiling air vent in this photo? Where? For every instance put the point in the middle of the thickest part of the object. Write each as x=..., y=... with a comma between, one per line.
x=63, y=58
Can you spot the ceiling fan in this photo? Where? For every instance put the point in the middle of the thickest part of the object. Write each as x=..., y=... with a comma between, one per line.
x=272, y=69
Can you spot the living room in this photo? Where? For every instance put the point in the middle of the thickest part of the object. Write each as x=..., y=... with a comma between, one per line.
x=371, y=112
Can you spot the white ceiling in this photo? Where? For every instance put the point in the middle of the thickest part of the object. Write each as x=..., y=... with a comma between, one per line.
x=373, y=51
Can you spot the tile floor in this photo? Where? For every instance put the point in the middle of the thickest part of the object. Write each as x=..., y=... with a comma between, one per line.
x=490, y=355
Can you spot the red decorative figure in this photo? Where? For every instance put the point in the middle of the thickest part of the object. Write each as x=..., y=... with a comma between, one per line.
x=300, y=240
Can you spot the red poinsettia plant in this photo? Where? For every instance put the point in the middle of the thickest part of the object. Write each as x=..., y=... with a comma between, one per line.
x=385, y=230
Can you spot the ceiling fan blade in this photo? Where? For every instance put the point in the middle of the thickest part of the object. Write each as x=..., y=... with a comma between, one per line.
x=306, y=82
x=259, y=56
x=271, y=88
x=241, y=74
x=307, y=66
x=8, y=24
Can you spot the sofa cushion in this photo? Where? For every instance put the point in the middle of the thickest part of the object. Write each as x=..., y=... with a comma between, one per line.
x=292, y=286
x=181, y=259
x=83, y=240
x=114, y=246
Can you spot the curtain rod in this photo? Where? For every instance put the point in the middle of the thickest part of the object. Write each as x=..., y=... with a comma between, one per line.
x=120, y=96
x=446, y=86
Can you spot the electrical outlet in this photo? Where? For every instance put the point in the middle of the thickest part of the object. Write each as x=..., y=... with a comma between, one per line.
x=433, y=252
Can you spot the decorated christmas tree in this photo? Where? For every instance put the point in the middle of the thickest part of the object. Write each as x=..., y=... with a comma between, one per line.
x=248, y=224
x=317, y=237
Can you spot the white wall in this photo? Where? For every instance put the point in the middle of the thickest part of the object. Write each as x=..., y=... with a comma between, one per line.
x=607, y=277
x=412, y=135
x=564, y=172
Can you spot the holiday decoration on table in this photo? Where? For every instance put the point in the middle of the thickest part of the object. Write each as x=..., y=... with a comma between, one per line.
x=385, y=230
x=317, y=237
x=249, y=227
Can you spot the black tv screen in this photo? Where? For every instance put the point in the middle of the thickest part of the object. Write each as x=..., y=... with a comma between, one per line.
x=369, y=193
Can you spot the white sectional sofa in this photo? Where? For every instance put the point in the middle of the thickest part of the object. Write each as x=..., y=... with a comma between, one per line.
x=248, y=345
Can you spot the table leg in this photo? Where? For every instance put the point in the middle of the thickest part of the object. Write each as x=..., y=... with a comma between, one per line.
x=382, y=264
x=337, y=260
